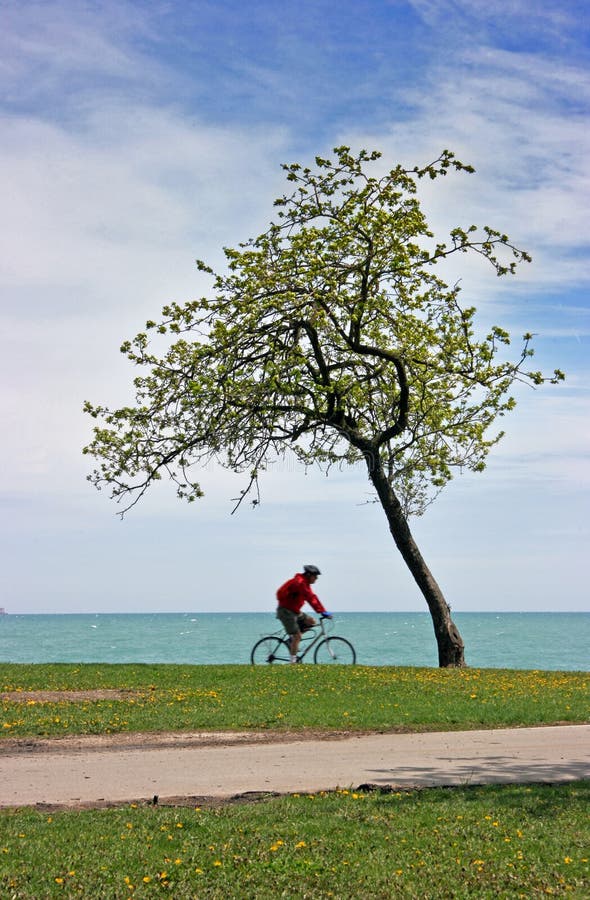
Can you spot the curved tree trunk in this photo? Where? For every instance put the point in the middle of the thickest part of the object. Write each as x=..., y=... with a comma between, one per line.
x=449, y=641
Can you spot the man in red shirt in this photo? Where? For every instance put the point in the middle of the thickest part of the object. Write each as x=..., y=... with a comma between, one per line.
x=291, y=596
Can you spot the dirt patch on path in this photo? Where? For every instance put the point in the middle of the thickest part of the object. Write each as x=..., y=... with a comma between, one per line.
x=86, y=743
x=138, y=740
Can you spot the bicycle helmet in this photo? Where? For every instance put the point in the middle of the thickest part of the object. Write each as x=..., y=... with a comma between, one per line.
x=311, y=570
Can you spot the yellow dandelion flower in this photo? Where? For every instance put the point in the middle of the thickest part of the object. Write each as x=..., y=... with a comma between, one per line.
x=146, y=879
x=59, y=881
x=217, y=862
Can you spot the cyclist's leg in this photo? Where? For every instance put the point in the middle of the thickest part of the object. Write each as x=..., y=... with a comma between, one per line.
x=305, y=622
x=290, y=623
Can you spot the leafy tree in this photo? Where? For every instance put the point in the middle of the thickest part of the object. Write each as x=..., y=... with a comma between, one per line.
x=329, y=336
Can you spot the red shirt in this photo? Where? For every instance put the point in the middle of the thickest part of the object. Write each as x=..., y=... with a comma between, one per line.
x=297, y=591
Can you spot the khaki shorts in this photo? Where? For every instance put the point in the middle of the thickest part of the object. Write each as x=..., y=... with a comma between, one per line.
x=293, y=622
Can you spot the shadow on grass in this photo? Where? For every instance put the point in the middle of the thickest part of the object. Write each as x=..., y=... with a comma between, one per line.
x=537, y=801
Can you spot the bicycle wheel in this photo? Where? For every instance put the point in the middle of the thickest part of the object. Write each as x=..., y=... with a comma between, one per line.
x=270, y=650
x=335, y=650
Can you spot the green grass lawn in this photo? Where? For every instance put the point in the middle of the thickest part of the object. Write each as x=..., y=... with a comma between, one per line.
x=477, y=842
x=469, y=842
x=361, y=698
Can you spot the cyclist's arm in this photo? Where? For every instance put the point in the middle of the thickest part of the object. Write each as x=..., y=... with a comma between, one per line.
x=315, y=603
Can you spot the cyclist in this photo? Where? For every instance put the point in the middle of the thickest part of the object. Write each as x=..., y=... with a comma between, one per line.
x=291, y=596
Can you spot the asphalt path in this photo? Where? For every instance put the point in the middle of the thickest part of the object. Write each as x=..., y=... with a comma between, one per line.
x=222, y=766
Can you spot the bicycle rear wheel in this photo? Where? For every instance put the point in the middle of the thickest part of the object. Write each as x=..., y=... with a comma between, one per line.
x=270, y=650
x=335, y=650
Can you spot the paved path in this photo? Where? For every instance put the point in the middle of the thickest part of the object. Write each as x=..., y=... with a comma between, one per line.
x=238, y=764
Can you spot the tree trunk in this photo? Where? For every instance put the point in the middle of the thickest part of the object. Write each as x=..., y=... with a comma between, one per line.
x=448, y=639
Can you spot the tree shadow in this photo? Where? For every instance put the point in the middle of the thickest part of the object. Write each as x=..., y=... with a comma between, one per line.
x=492, y=769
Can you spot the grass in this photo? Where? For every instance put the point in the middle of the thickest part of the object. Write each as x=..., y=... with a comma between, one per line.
x=472, y=842
x=359, y=698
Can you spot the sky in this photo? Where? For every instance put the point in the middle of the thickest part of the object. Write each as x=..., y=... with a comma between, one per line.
x=136, y=137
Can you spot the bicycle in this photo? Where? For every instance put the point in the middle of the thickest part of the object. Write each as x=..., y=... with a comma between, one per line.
x=329, y=648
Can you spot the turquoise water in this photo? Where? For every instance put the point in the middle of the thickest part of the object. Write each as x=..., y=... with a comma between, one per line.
x=492, y=640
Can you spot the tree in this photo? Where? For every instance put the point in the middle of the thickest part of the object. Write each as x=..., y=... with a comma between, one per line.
x=329, y=336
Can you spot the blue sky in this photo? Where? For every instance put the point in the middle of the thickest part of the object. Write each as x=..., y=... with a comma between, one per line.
x=135, y=137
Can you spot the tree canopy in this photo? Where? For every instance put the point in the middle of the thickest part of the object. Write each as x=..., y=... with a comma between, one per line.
x=330, y=336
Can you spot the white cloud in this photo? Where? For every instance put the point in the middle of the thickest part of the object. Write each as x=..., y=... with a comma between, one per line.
x=525, y=129
x=47, y=44
x=493, y=17
x=101, y=228
x=131, y=190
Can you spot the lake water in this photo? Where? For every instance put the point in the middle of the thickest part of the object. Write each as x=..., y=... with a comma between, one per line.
x=492, y=640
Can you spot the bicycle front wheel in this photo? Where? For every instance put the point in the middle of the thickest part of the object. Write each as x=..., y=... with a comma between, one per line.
x=335, y=650
x=270, y=650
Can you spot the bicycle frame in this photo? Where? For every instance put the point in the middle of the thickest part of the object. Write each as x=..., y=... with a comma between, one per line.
x=310, y=636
